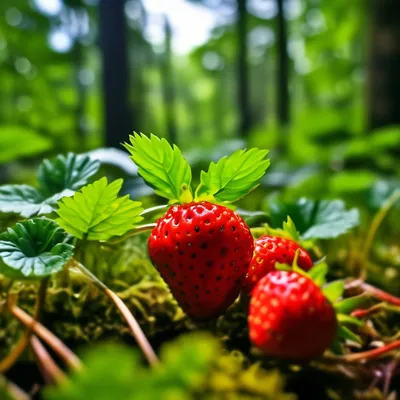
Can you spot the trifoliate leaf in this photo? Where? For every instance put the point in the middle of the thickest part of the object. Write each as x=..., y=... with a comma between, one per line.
x=290, y=228
x=33, y=249
x=231, y=178
x=57, y=178
x=162, y=167
x=71, y=171
x=333, y=290
x=97, y=213
x=323, y=219
x=27, y=201
x=346, y=306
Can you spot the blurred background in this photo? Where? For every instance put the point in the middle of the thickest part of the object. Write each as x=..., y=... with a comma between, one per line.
x=315, y=81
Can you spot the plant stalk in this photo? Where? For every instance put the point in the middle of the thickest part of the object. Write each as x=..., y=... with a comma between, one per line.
x=13, y=390
x=138, y=230
x=154, y=209
x=53, y=341
x=370, y=354
x=135, y=328
x=23, y=342
x=50, y=369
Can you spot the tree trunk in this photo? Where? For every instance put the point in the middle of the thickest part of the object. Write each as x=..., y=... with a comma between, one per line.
x=118, y=118
x=282, y=67
x=81, y=97
x=243, y=70
x=168, y=85
x=384, y=64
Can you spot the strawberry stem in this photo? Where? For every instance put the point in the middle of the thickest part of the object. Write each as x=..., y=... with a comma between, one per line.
x=50, y=370
x=53, y=341
x=381, y=294
x=370, y=354
x=135, y=328
x=360, y=313
x=23, y=342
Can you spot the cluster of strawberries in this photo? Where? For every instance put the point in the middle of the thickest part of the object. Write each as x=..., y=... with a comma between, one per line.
x=206, y=254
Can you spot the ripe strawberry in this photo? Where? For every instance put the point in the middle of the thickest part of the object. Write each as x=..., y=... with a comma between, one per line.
x=290, y=318
x=203, y=252
x=269, y=250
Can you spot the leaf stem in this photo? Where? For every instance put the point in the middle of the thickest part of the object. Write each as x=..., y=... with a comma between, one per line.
x=135, y=328
x=138, y=230
x=53, y=341
x=12, y=389
x=23, y=342
x=50, y=369
x=375, y=224
x=380, y=294
x=154, y=209
x=369, y=354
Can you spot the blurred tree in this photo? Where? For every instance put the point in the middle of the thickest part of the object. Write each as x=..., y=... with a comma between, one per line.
x=113, y=44
x=384, y=64
x=168, y=84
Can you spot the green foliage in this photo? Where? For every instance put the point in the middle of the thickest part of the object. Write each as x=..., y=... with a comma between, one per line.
x=346, y=306
x=69, y=171
x=57, y=178
x=97, y=213
x=333, y=291
x=290, y=228
x=115, y=372
x=162, y=167
x=33, y=249
x=318, y=273
x=231, y=178
x=325, y=219
x=17, y=141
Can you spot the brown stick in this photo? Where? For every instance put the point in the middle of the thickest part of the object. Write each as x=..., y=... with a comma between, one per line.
x=135, y=328
x=53, y=341
x=381, y=294
x=370, y=354
x=13, y=390
x=49, y=368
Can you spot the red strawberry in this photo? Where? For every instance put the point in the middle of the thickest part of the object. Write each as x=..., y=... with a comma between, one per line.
x=269, y=250
x=203, y=252
x=290, y=318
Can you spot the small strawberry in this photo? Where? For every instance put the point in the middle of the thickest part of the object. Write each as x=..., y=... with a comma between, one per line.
x=202, y=251
x=290, y=317
x=269, y=250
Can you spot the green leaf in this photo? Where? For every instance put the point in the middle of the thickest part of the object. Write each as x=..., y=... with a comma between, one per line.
x=347, y=319
x=161, y=166
x=231, y=178
x=253, y=218
x=318, y=273
x=69, y=171
x=97, y=212
x=333, y=290
x=115, y=372
x=26, y=200
x=33, y=249
x=323, y=219
x=290, y=228
x=346, y=334
x=346, y=306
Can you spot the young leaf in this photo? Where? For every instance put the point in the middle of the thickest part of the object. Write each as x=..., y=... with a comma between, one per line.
x=97, y=212
x=162, y=167
x=346, y=334
x=346, y=306
x=323, y=219
x=33, y=249
x=348, y=319
x=290, y=228
x=231, y=178
x=71, y=171
x=333, y=290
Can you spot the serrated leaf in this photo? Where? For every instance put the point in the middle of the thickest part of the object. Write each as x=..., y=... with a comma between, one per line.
x=71, y=171
x=346, y=334
x=231, y=178
x=290, y=228
x=33, y=249
x=323, y=219
x=318, y=273
x=347, y=319
x=333, y=290
x=346, y=306
x=161, y=166
x=98, y=213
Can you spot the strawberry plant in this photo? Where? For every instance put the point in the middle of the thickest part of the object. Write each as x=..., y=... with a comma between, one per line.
x=285, y=291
